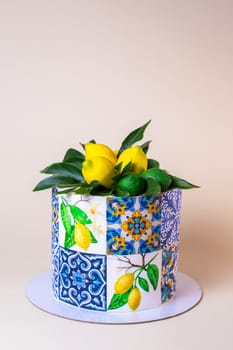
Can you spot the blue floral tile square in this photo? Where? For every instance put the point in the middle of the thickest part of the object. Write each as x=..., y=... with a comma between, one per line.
x=133, y=225
x=83, y=279
x=170, y=217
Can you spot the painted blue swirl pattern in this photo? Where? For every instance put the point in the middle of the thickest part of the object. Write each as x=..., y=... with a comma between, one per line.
x=83, y=279
x=170, y=217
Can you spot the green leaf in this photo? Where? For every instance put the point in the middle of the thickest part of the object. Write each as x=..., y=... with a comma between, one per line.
x=79, y=215
x=134, y=136
x=69, y=228
x=153, y=275
x=72, y=154
x=69, y=238
x=68, y=190
x=120, y=192
x=145, y=146
x=119, y=300
x=54, y=181
x=152, y=186
x=127, y=168
x=143, y=284
x=93, y=239
x=118, y=166
x=64, y=169
x=152, y=163
x=181, y=183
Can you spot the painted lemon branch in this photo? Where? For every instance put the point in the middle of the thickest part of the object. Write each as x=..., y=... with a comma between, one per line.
x=127, y=286
x=75, y=222
x=102, y=171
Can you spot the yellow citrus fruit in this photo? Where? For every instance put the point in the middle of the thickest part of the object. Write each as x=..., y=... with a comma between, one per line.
x=160, y=176
x=134, y=298
x=136, y=156
x=99, y=150
x=98, y=169
x=124, y=283
x=132, y=183
x=82, y=236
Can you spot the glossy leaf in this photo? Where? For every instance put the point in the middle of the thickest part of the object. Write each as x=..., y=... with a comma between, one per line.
x=79, y=215
x=119, y=300
x=143, y=284
x=152, y=186
x=145, y=146
x=134, y=136
x=153, y=275
x=152, y=163
x=72, y=154
x=181, y=183
x=54, y=181
x=64, y=169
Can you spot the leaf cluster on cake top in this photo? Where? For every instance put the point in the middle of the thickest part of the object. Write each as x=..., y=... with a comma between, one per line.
x=101, y=171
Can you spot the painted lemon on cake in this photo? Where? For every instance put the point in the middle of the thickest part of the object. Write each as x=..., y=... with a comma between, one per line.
x=136, y=156
x=98, y=169
x=99, y=150
x=82, y=236
x=134, y=298
x=124, y=283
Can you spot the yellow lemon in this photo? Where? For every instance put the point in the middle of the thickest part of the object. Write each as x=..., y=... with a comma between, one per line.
x=134, y=298
x=99, y=150
x=136, y=156
x=82, y=236
x=98, y=169
x=124, y=283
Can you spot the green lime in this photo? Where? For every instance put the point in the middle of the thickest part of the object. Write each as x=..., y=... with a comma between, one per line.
x=132, y=183
x=159, y=175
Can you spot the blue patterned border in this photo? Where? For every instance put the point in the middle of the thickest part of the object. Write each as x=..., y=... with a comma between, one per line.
x=55, y=245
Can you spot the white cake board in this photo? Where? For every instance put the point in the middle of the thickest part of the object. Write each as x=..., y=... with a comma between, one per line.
x=39, y=293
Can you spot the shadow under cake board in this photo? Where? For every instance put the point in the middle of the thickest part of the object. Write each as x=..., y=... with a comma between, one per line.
x=39, y=292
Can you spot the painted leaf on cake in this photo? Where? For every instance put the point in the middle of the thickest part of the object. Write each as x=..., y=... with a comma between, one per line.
x=79, y=215
x=143, y=284
x=119, y=300
x=153, y=275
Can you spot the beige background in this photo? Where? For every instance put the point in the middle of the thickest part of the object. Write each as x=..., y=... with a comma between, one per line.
x=74, y=70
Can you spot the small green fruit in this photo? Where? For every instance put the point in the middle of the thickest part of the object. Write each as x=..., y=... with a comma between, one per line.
x=132, y=183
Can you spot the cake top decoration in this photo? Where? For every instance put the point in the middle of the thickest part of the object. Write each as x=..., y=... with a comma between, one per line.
x=100, y=171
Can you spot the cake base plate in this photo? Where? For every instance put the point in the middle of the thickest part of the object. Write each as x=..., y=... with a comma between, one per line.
x=39, y=293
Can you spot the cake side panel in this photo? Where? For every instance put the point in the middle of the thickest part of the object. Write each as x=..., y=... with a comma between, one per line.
x=170, y=238
x=55, y=242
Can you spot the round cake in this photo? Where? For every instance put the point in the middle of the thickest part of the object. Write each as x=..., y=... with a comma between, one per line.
x=115, y=254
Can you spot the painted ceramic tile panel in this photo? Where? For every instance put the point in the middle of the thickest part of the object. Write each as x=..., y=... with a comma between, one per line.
x=134, y=282
x=169, y=269
x=83, y=223
x=83, y=279
x=133, y=225
x=170, y=217
x=55, y=246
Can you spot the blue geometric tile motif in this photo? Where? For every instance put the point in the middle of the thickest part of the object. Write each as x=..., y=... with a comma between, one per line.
x=55, y=246
x=168, y=273
x=170, y=217
x=133, y=225
x=83, y=279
